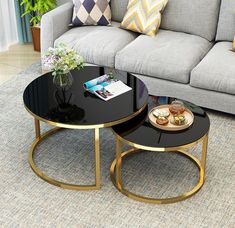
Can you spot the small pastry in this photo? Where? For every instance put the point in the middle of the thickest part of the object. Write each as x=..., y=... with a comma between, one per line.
x=162, y=120
x=179, y=120
x=161, y=113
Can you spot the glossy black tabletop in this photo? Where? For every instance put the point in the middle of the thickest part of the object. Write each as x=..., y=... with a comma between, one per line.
x=139, y=130
x=77, y=107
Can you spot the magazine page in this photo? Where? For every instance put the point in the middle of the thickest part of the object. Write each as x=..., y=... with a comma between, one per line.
x=98, y=83
x=112, y=90
x=106, y=87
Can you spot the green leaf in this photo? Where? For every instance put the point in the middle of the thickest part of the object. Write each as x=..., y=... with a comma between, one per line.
x=38, y=7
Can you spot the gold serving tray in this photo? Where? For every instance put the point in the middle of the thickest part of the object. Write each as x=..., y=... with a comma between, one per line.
x=171, y=127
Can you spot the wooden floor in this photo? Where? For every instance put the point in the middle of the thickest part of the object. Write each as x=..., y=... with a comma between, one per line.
x=15, y=60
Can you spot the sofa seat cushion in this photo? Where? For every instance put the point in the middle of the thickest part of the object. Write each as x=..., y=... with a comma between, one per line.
x=97, y=44
x=217, y=70
x=170, y=55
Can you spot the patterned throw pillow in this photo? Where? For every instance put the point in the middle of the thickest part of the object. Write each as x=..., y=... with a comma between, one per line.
x=91, y=12
x=144, y=16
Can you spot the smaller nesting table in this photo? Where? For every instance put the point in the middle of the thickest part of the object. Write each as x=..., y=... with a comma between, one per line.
x=142, y=136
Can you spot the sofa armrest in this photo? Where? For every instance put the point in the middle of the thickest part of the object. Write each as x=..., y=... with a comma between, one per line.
x=54, y=24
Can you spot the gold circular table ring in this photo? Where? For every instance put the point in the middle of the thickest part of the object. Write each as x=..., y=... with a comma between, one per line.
x=140, y=198
x=44, y=176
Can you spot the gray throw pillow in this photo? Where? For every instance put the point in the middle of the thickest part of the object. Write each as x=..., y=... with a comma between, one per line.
x=91, y=12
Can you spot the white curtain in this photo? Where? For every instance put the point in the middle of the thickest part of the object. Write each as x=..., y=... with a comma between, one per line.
x=8, y=29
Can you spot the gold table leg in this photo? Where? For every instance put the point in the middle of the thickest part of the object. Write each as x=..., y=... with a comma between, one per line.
x=37, y=128
x=40, y=138
x=97, y=158
x=204, y=152
x=115, y=173
x=119, y=164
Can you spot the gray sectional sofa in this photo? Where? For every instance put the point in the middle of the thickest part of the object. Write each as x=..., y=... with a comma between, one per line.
x=190, y=57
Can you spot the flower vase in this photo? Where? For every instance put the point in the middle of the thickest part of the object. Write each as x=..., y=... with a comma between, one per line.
x=63, y=81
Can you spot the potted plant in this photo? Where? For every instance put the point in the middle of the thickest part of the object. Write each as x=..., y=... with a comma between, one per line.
x=36, y=8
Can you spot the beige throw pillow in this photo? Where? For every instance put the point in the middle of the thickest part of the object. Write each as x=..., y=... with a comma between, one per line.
x=144, y=16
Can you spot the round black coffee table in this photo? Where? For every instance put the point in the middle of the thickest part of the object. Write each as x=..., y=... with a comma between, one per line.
x=74, y=108
x=142, y=136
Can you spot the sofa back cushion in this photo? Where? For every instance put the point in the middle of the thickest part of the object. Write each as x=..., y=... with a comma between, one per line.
x=118, y=8
x=226, y=25
x=197, y=17
x=61, y=2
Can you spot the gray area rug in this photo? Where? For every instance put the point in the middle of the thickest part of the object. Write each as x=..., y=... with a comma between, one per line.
x=28, y=201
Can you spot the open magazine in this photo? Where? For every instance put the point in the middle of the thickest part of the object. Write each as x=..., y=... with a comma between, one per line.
x=106, y=87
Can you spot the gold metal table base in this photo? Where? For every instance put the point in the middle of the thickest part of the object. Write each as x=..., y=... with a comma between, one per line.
x=40, y=138
x=59, y=126
x=116, y=177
